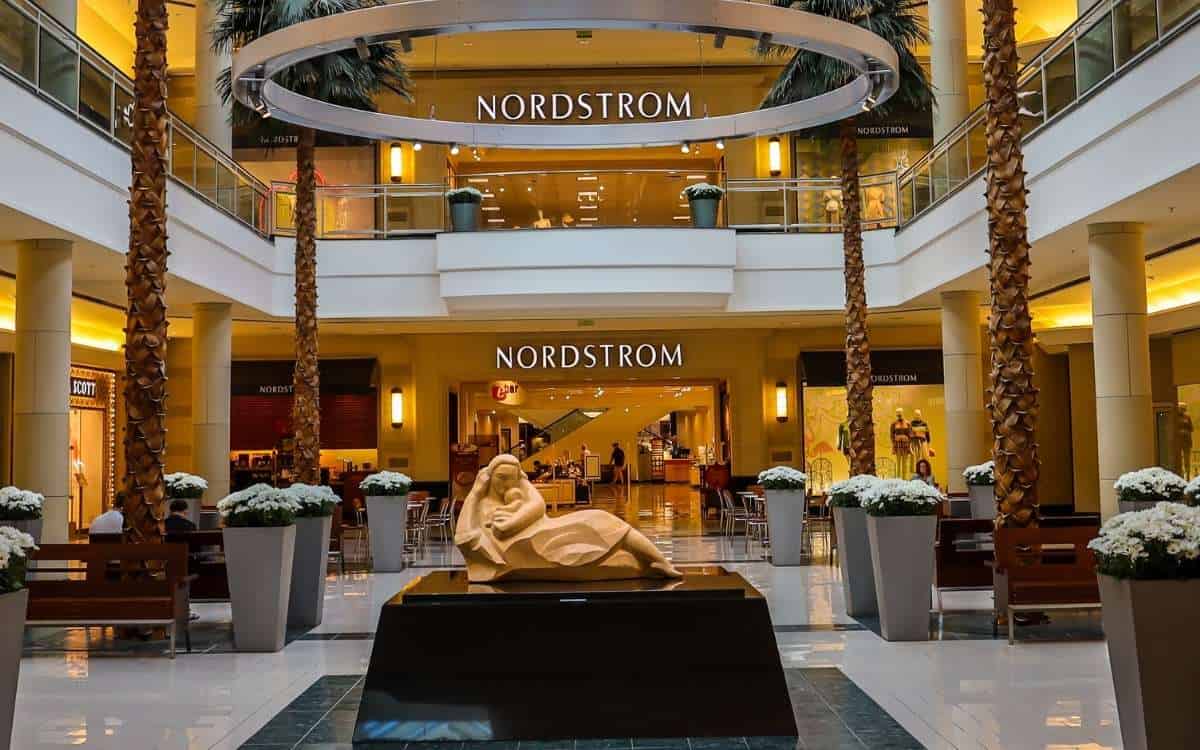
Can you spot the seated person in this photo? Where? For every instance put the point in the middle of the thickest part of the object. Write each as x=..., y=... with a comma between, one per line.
x=178, y=521
x=111, y=521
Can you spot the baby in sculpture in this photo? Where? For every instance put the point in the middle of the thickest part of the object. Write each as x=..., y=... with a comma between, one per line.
x=505, y=535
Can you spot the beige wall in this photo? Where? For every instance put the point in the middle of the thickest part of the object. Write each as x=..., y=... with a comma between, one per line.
x=1086, y=458
x=1056, y=481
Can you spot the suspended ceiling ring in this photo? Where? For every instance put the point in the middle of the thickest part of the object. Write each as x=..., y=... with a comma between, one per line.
x=869, y=55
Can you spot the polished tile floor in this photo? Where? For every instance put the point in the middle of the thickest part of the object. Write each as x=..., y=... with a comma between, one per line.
x=960, y=694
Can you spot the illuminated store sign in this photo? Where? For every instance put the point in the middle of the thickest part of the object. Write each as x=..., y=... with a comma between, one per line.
x=588, y=356
x=83, y=387
x=507, y=392
x=585, y=106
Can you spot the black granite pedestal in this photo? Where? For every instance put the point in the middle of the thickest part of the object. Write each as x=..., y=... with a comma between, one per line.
x=539, y=661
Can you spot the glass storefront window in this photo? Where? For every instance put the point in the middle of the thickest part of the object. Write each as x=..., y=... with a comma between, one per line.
x=1183, y=442
x=1095, y=54
x=1136, y=28
x=95, y=96
x=1174, y=11
x=18, y=42
x=58, y=74
x=1060, y=82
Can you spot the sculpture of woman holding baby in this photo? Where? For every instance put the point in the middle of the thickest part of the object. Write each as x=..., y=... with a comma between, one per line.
x=505, y=535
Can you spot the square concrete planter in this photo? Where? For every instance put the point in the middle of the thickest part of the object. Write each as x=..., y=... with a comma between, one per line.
x=983, y=500
x=387, y=518
x=12, y=629
x=306, y=602
x=854, y=558
x=1151, y=629
x=259, y=561
x=785, y=520
x=902, y=560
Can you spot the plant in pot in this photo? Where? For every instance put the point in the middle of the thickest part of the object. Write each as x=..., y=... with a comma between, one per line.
x=1148, y=566
x=15, y=546
x=1145, y=488
x=704, y=200
x=22, y=509
x=981, y=482
x=260, y=540
x=314, y=519
x=183, y=486
x=901, y=526
x=785, y=512
x=854, y=546
x=387, y=517
x=464, y=208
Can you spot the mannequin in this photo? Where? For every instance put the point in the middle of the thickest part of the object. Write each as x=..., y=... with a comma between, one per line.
x=832, y=200
x=843, y=441
x=542, y=222
x=901, y=431
x=1183, y=441
x=568, y=221
x=922, y=437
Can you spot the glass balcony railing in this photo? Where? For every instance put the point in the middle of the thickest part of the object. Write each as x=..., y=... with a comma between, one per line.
x=1107, y=40
x=364, y=211
x=807, y=205
x=39, y=53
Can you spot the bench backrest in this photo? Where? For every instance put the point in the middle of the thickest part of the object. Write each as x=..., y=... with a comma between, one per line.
x=1047, y=555
x=107, y=571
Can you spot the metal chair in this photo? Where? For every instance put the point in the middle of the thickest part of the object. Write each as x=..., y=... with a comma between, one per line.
x=418, y=516
x=731, y=515
x=442, y=520
x=756, y=522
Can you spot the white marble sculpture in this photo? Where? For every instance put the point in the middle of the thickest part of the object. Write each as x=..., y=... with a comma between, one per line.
x=505, y=535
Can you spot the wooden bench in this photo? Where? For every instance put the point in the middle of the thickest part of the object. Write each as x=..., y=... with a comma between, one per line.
x=959, y=566
x=82, y=585
x=1043, y=569
x=206, y=561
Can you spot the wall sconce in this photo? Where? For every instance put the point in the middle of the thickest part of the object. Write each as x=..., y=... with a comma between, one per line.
x=396, y=162
x=397, y=408
x=781, y=404
x=775, y=156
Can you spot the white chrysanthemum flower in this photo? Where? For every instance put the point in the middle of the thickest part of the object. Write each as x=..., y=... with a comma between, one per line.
x=1160, y=542
x=1153, y=484
x=851, y=490
x=981, y=474
x=13, y=543
x=385, y=483
x=782, y=478
x=180, y=484
x=17, y=504
x=901, y=497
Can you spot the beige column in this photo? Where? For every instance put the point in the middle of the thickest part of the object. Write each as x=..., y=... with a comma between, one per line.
x=1121, y=347
x=212, y=355
x=948, y=58
x=41, y=380
x=966, y=439
x=212, y=115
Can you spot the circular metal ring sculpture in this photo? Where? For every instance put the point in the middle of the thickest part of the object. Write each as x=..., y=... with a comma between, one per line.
x=875, y=61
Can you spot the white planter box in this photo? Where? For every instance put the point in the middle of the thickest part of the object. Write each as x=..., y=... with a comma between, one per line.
x=902, y=559
x=12, y=629
x=387, y=518
x=854, y=559
x=259, y=563
x=1151, y=629
x=785, y=517
x=306, y=601
x=983, y=500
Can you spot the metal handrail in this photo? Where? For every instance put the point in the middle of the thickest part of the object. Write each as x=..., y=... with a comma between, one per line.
x=929, y=181
x=241, y=195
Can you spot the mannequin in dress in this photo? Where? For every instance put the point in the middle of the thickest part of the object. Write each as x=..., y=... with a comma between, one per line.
x=901, y=432
x=542, y=222
x=1183, y=441
x=922, y=437
x=832, y=200
x=843, y=440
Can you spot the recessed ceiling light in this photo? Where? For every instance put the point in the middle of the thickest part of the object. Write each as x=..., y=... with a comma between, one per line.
x=490, y=208
x=477, y=180
x=681, y=218
x=587, y=178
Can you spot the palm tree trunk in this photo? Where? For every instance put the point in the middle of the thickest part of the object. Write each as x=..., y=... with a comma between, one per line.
x=145, y=386
x=858, y=346
x=306, y=381
x=1014, y=402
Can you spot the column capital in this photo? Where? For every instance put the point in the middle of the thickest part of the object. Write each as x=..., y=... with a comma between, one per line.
x=1115, y=227
x=48, y=243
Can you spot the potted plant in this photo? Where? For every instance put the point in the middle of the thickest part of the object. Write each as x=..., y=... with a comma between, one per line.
x=22, y=509
x=387, y=518
x=14, y=549
x=306, y=603
x=981, y=482
x=464, y=208
x=785, y=512
x=901, y=526
x=260, y=538
x=704, y=200
x=184, y=486
x=1145, y=488
x=854, y=546
x=1148, y=565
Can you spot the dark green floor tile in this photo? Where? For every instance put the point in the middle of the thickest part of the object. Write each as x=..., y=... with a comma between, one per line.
x=718, y=743
x=772, y=743
x=657, y=743
x=497, y=745
x=604, y=744
x=547, y=745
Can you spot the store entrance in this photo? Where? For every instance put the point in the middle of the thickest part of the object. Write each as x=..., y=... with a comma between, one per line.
x=92, y=460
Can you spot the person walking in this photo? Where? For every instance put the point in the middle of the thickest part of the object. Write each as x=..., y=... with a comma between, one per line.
x=618, y=465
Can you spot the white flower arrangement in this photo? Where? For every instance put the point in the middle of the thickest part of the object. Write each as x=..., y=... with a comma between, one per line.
x=259, y=505
x=464, y=195
x=17, y=504
x=1157, y=543
x=316, y=501
x=385, y=484
x=185, y=486
x=848, y=493
x=782, y=478
x=983, y=474
x=1191, y=493
x=901, y=497
x=1151, y=485
x=14, y=548
x=703, y=190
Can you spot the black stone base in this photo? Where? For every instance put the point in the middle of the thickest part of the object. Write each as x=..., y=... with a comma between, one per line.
x=535, y=661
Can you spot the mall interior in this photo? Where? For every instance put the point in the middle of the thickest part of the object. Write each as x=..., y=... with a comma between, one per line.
x=588, y=318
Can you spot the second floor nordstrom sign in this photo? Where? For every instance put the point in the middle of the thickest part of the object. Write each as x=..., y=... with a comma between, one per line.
x=585, y=106
x=588, y=356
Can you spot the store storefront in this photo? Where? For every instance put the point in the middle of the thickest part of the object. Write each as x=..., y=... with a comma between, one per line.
x=909, y=412
x=93, y=428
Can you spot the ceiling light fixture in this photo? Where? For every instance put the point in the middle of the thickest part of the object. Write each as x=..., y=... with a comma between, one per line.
x=685, y=148
x=454, y=149
x=720, y=144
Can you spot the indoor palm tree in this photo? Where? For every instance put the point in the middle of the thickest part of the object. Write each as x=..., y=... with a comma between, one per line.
x=344, y=78
x=809, y=74
x=1014, y=397
x=145, y=384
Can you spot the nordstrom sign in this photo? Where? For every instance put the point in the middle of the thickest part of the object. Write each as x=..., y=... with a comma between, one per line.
x=588, y=356
x=588, y=105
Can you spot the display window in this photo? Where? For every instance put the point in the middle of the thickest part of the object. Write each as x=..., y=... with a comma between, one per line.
x=91, y=466
x=1184, y=444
